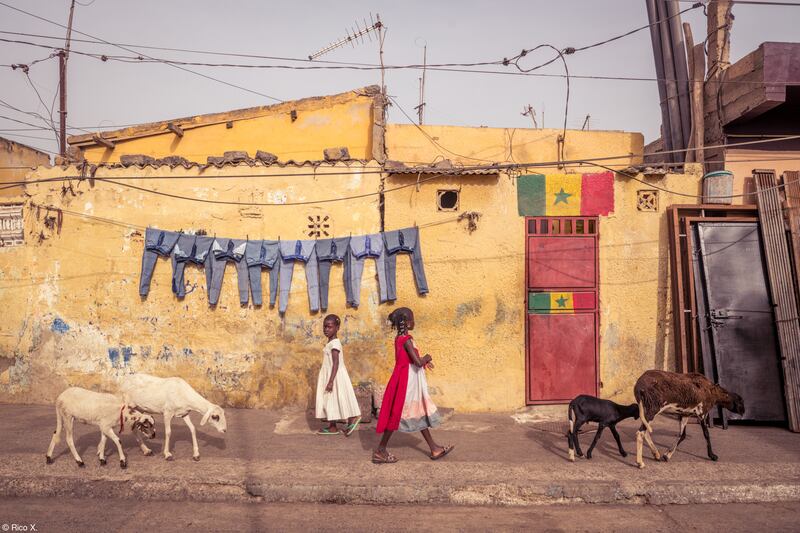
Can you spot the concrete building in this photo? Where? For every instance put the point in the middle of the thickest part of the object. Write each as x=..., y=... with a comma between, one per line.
x=74, y=315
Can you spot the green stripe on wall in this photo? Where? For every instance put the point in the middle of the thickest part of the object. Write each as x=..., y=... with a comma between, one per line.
x=539, y=302
x=531, y=195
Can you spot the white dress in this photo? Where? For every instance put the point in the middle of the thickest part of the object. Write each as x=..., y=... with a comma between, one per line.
x=340, y=403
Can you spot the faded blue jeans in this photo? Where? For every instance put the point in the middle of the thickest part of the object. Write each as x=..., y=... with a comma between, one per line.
x=330, y=251
x=156, y=243
x=404, y=241
x=258, y=255
x=190, y=249
x=362, y=248
x=304, y=252
x=223, y=251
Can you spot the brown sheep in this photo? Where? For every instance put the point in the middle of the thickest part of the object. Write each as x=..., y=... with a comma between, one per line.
x=684, y=395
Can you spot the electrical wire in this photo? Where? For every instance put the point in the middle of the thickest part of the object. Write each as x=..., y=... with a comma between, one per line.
x=132, y=51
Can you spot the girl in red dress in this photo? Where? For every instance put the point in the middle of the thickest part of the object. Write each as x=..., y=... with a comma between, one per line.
x=406, y=405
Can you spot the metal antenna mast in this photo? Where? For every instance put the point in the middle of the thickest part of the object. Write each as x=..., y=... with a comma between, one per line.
x=421, y=107
x=529, y=111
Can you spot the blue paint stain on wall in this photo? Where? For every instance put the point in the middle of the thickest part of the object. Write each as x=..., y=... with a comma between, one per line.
x=59, y=326
x=127, y=352
x=113, y=355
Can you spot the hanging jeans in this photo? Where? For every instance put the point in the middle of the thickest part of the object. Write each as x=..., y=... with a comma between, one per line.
x=361, y=248
x=222, y=251
x=404, y=241
x=304, y=252
x=258, y=255
x=190, y=249
x=156, y=243
x=330, y=251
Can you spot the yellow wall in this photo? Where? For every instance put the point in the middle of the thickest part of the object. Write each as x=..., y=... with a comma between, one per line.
x=472, y=321
x=323, y=122
x=13, y=154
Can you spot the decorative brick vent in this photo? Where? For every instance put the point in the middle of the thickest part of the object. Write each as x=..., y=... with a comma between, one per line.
x=319, y=226
x=11, y=230
x=447, y=200
x=647, y=200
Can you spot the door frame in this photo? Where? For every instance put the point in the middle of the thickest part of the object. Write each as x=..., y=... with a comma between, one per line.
x=596, y=311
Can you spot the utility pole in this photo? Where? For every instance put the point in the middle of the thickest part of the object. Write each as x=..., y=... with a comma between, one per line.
x=63, y=55
x=420, y=108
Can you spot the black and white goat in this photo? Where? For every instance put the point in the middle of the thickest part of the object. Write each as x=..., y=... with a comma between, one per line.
x=103, y=410
x=171, y=397
x=683, y=395
x=586, y=408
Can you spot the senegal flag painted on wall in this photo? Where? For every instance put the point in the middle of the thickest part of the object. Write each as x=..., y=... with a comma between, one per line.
x=564, y=195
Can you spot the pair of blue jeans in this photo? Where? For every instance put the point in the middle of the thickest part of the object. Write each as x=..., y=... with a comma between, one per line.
x=190, y=249
x=303, y=252
x=404, y=241
x=330, y=251
x=259, y=255
x=157, y=243
x=224, y=251
x=362, y=248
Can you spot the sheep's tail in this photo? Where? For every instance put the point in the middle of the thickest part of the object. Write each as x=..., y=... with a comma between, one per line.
x=643, y=418
x=571, y=433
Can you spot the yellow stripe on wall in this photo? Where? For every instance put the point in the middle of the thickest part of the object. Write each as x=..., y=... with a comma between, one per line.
x=563, y=194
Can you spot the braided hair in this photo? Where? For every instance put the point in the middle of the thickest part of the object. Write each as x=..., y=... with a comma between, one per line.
x=399, y=319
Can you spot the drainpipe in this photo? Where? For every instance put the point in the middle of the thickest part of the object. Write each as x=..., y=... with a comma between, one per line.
x=666, y=130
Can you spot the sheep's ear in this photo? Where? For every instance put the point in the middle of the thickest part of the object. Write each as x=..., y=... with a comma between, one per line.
x=205, y=416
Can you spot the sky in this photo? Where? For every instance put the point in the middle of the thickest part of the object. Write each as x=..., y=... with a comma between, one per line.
x=103, y=94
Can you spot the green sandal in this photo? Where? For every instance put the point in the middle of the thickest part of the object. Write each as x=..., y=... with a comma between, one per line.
x=327, y=431
x=352, y=427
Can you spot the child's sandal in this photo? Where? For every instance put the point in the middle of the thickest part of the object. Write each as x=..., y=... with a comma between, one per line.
x=377, y=458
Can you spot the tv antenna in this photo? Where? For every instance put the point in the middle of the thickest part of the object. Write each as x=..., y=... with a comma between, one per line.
x=421, y=107
x=529, y=111
x=354, y=35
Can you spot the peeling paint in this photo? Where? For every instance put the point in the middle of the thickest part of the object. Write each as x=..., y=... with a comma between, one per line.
x=59, y=326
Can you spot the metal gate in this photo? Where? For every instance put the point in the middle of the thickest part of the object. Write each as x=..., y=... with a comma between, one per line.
x=737, y=324
x=561, y=276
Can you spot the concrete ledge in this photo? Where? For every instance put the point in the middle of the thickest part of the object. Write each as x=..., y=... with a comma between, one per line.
x=502, y=494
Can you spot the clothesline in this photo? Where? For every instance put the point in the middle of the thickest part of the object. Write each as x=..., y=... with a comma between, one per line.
x=250, y=257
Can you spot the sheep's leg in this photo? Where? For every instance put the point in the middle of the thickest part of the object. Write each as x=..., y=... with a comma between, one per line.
x=68, y=426
x=570, y=436
x=123, y=461
x=195, y=447
x=56, y=438
x=575, y=438
x=613, y=428
x=600, y=429
x=101, y=449
x=681, y=436
x=649, y=440
x=704, y=425
x=142, y=446
x=640, y=445
x=167, y=433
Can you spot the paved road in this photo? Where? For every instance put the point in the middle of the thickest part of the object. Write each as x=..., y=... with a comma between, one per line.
x=64, y=515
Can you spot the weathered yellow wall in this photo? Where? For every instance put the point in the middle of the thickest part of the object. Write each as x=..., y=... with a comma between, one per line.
x=71, y=297
x=323, y=122
x=472, y=322
x=13, y=154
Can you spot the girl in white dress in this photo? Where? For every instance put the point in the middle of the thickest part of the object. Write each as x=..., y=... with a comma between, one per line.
x=336, y=400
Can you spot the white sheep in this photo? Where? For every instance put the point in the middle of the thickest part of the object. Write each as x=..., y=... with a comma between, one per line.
x=103, y=410
x=171, y=397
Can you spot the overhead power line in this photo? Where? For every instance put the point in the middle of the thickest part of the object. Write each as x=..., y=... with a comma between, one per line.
x=133, y=51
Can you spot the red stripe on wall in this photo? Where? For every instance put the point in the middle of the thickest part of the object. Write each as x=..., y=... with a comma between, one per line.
x=597, y=194
x=583, y=300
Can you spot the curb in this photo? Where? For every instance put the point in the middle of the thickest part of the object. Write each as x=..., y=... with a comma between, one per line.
x=537, y=493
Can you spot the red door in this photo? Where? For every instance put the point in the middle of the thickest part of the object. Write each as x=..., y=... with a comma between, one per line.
x=562, y=326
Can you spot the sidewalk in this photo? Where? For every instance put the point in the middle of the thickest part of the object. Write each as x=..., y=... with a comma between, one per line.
x=275, y=457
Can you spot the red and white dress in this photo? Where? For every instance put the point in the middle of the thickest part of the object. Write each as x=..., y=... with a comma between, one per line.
x=406, y=405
